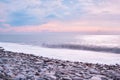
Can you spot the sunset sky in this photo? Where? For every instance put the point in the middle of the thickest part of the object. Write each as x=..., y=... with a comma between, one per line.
x=31, y=16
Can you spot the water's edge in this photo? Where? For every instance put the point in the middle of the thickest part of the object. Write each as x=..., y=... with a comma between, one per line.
x=64, y=54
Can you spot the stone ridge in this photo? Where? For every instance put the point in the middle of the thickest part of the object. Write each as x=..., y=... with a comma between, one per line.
x=20, y=66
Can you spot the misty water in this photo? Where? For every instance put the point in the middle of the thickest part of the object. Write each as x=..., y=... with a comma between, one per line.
x=104, y=49
x=73, y=41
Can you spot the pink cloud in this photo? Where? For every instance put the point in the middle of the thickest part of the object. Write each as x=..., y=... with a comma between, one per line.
x=58, y=26
x=6, y=25
x=0, y=29
x=4, y=30
x=1, y=20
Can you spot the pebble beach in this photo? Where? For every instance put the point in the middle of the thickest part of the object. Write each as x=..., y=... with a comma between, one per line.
x=21, y=66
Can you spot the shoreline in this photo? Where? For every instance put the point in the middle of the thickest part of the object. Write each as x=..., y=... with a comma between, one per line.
x=72, y=55
x=20, y=66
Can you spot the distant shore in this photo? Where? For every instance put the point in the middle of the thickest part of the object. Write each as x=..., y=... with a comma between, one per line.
x=20, y=66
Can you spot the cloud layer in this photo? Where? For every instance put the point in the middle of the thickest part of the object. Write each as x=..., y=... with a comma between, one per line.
x=59, y=15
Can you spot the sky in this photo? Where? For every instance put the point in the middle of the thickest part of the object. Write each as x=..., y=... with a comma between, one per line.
x=34, y=16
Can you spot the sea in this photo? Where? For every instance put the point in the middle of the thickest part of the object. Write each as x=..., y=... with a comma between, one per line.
x=102, y=49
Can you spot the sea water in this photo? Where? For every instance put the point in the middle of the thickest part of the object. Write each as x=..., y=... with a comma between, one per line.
x=102, y=49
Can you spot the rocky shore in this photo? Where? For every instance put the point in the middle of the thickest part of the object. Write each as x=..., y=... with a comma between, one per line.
x=20, y=66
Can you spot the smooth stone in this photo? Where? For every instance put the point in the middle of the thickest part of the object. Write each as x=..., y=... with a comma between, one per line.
x=93, y=71
x=95, y=78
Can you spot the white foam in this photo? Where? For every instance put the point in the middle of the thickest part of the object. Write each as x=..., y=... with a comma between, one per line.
x=64, y=54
